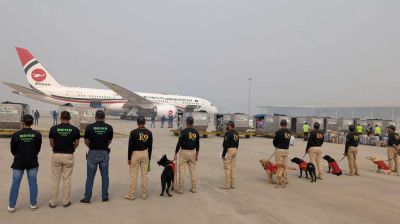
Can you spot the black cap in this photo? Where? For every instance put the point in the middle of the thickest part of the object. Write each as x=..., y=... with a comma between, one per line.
x=283, y=123
x=231, y=123
x=100, y=114
x=351, y=128
x=392, y=127
x=141, y=120
x=190, y=120
x=316, y=125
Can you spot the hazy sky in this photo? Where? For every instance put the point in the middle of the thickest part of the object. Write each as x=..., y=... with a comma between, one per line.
x=308, y=53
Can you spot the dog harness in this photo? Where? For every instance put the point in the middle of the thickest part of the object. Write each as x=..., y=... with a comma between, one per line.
x=382, y=165
x=335, y=169
x=172, y=165
x=271, y=168
x=303, y=165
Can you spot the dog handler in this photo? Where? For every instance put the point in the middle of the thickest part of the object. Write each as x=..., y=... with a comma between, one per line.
x=188, y=147
x=314, y=144
x=230, y=147
x=351, y=151
x=281, y=143
x=393, y=148
x=139, y=156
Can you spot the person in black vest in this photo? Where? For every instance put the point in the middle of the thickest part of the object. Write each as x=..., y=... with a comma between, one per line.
x=314, y=144
x=25, y=147
x=351, y=151
x=230, y=147
x=98, y=137
x=188, y=147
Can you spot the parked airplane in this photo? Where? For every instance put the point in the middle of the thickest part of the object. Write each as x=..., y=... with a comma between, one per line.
x=118, y=99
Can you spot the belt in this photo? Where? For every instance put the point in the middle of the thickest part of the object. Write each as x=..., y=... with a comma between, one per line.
x=188, y=149
x=136, y=150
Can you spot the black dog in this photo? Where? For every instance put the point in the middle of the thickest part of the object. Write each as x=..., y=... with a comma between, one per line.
x=308, y=168
x=333, y=166
x=167, y=176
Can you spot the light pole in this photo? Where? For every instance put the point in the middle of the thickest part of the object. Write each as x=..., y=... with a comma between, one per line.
x=248, y=106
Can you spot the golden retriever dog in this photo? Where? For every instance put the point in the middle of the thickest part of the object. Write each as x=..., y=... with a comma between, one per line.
x=275, y=169
x=382, y=166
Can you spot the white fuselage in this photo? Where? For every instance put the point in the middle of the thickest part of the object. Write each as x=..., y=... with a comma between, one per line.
x=113, y=102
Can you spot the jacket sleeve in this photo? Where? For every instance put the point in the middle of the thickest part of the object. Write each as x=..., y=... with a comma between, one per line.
x=225, y=144
x=198, y=142
x=14, y=144
x=150, y=145
x=179, y=143
x=275, y=141
x=130, y=146
x=311, y=138
x=38, y=142
x=346, y=148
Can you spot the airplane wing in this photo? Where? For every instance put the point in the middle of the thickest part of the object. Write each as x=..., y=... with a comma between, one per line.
x=134, y=100
x=23, y=91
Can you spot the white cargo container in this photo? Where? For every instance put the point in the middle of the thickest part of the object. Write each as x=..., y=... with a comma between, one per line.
x=11, y=114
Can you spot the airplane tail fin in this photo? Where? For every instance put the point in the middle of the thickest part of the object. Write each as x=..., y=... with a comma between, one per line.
x=37, y=76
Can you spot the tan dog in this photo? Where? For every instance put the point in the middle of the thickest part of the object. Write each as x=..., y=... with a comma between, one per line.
x=270, y=168
x=382, y=166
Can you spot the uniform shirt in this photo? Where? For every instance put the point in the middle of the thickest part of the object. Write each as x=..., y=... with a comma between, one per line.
x=25, y=147
x=282, y=139
x=351, y=141
x=231, y=140
x=316, y=139
x=99, y=134
x=140, y=139
x=189, y=139
x=64, y=136
x=306, y=128
x=359, y=129
x=394, y=139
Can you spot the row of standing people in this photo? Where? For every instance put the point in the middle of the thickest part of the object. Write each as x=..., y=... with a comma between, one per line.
x=315, y=140
x=170, y=120
x=64, y=139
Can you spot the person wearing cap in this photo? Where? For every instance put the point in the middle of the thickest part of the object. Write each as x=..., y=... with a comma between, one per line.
x=188, y=147
x=393, y=148
x=230, y=147
x=64, y=139
x=350, y=151
x=98, y=136
x=25, y=147
x=306, y=129
x=139, y=156
x=314, y=144
x=281, y=143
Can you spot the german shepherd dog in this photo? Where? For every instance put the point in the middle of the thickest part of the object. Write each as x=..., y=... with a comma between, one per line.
x=333, y=166
x=167, y=176
x=308, y=168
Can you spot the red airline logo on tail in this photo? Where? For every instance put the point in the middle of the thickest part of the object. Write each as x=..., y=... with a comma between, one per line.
x=38, y=75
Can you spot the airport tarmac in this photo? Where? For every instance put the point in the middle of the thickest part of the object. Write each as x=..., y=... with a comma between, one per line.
x=369, y=198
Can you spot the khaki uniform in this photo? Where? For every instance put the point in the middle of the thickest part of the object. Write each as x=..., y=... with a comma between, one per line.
x=281, y=158
x=230, y=168
x=187, y=157
x=352, y=158
x=316, y=159
x=140, y=159
x=61, y=167
x=393, y=158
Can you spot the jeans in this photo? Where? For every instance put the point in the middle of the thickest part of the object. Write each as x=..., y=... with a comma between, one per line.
x=33, y=187
x=97, y=158
x=36, y=121
x=54, y=121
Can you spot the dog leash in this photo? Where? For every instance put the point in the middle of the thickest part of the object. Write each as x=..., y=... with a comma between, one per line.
x=342, y=158
x=272, y=155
